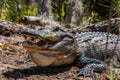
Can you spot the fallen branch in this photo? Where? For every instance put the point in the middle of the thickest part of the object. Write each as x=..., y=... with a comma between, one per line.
x=32, y=20
x=40, y=21
x=102, y=26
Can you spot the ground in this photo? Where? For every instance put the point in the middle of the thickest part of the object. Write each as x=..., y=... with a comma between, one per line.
x=11, y=50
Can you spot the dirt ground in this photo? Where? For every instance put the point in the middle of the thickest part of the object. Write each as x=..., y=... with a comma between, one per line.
x=11, y=50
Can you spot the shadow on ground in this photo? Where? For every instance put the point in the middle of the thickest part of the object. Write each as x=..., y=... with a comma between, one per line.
x=36, y=70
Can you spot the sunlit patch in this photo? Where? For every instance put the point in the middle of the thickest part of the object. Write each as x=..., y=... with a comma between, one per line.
x=51, y=36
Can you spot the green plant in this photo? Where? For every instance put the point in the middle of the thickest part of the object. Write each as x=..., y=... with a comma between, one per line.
x=28, y=8
x=111, y=75
x=63, y=11
x=30, y=12
x=60, y=9
x=98, y=10
x=12, y=9
x=116, y=8
x=8, y=9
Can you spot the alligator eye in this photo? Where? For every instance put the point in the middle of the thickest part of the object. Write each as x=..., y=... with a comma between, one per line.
x=27, y=42
x=30, y=43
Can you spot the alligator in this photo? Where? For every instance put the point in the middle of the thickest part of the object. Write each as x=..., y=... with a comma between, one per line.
x=56, y=47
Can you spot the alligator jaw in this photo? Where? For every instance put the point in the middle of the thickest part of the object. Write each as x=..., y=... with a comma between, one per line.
x=41, y=59
x=50, y=50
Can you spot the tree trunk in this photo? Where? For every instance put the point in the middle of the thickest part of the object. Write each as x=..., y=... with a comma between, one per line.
x=75, y=13
x=45, y=9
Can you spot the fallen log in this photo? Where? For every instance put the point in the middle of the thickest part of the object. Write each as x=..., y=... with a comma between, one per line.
x=102, y=26
x=7, y=28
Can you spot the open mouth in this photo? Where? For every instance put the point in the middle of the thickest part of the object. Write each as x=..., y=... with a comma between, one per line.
x=39, y=50
x=35, y=43
x=57, y=42
x=49, y=49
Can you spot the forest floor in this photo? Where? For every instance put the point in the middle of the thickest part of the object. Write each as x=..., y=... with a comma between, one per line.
x=11, y=50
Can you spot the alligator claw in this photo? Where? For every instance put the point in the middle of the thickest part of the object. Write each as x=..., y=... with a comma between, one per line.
x=86, y=73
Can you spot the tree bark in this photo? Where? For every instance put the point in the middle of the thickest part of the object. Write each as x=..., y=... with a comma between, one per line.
x=46, y=17
x=75, y=13
x=45, y=8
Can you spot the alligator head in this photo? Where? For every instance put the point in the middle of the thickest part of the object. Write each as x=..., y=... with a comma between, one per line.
x=50, y=48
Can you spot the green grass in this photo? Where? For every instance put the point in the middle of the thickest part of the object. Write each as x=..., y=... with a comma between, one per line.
x=111, y=75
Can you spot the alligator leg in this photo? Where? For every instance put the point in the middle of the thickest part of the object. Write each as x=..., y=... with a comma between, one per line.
x=24, y=60
x=92, y=65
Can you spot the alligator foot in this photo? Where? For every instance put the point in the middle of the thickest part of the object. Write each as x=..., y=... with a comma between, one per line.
x=92, y=65
x=24, y=60
x=85, y=72
x=89, y=69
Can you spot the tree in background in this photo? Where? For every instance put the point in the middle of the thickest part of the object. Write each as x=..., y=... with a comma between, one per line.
x=69, y=12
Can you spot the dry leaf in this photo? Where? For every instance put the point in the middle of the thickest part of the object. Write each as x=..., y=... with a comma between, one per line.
x=5, y=45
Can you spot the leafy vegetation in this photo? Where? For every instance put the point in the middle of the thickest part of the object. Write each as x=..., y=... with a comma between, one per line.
x=60, y=9
x=116, y=8
x=111, y=75
x=12, y=9
x=96, y=10
x=8, y=9
x=28, y=8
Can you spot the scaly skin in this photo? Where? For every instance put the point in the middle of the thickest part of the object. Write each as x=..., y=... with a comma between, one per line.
x=55, y=48
x=92, y=50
